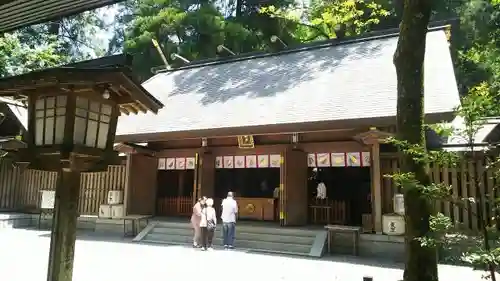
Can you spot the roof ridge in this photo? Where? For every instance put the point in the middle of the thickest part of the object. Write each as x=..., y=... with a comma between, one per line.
x=374, y=35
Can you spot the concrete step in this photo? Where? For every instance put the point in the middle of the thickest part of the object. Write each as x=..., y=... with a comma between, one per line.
x=167, y=230
x=241, y=236
x=167, y=227
x=277, y=238
x=239, y=243
x=289, y=253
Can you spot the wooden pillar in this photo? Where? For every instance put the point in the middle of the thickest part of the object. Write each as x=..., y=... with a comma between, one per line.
x=206, y=181
x=373, y=138
x=376, y=188
x=294, y=195
x=63, y=234
x=126, y=190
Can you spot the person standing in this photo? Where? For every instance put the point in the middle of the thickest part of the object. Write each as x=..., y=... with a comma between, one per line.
x=208, y=224
x=229, y=212
x=195, y=221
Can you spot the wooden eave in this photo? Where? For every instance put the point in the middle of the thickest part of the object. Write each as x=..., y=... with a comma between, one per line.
x=290, y=128
x=11, y=144
x=131, y=148
x=373, y=136
x=15, y=14
x=131, y=96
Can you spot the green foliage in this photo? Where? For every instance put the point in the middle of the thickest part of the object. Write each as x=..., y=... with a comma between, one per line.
x=432, y=191
x=479, y=103
x=480, y=257
x=477, y=43
x=331, y=19
x=421, y=155
x=440, y=226
x=475, y=106
x=17, y=57
x=194, y=30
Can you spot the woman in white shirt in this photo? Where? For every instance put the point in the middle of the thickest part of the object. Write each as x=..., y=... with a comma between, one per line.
x=208, y=223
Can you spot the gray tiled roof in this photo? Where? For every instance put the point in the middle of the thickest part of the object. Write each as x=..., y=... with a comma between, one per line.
x=348, y=81
x=340, y=82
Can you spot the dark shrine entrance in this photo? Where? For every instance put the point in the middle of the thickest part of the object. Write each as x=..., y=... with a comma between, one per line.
x=174, y=192
x=347, y=195
x=255, y=189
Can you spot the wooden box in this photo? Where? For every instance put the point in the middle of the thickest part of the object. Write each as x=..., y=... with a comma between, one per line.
x=115, y=197
x=105, y=211
x=367, y=223
x=256, y=208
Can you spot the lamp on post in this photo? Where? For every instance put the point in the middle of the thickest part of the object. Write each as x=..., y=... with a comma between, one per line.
x=71, y=123
x=72, y=117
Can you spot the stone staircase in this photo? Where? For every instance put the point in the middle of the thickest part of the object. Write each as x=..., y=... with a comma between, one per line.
x=269, y=238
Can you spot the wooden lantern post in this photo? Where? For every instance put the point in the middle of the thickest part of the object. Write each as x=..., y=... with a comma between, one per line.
x=72, y=117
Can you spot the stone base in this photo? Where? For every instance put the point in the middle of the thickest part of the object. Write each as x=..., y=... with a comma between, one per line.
x=86, y=223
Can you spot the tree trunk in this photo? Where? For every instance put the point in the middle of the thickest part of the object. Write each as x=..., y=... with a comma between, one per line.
x=239, y=8
x=421, y=262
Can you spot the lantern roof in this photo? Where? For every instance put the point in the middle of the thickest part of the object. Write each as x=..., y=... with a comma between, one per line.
x=15, y=14
x=111, y=74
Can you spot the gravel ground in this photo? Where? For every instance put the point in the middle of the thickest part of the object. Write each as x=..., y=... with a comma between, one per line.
x=23, y=257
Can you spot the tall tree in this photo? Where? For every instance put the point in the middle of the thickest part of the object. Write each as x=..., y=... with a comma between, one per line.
x=194, y=29
x=478, y=42
x=17, y=57
x=421, y=261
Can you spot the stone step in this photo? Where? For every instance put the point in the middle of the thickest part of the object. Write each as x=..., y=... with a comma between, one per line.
x=243, y=228
x=239, y=243
x=289, y=253
x=15, y=222
x=277, y=238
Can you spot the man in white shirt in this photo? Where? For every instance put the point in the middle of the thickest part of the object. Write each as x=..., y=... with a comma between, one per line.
x=229, y=213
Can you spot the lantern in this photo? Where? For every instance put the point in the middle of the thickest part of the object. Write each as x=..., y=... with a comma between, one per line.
x=73, y=123
x=72, y=116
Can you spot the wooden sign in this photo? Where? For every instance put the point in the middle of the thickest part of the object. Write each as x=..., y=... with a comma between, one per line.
x=251, y=161
x=311, y=160
x=170, y=164
x=354, y=159
x=219, y=162
x=338, y=159
x=180, y=163
x=228, y=162
x=239, y=162
x=246, y=141
x=48, y=199
x=190, y=163
x=162, y=164
x=263, y=161
x=275, y=160
x=323, y=159
x=366, y=158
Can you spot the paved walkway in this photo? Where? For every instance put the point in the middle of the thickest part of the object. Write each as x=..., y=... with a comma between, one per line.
x=23, y=256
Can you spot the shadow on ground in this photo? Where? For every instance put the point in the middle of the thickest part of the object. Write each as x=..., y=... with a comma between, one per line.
x=114, y=238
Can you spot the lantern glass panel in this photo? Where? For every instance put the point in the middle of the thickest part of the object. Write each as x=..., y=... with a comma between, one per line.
x=50, y=120
x=91, y=123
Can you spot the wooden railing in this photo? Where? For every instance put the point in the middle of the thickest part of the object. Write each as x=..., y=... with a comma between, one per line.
x=461, y=180
x=20, y=189
x=174, y=206
x=326, y=211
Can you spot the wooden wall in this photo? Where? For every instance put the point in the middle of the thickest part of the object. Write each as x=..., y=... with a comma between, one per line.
x=21, y=191
x=143, y=180
x=460, y=178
